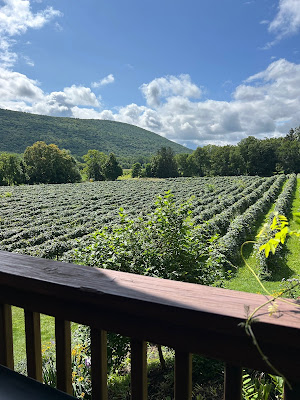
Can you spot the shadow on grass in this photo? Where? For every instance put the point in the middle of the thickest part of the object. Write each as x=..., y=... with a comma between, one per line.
x=277, y=267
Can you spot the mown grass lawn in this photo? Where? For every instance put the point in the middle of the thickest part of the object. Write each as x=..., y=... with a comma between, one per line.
x=244, y=279
x=47, y=332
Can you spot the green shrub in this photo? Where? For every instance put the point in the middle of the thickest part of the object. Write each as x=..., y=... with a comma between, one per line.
x=165, y=244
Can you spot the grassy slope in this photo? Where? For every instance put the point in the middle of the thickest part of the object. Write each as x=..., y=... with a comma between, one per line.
x=245, y=281
x=19, y=130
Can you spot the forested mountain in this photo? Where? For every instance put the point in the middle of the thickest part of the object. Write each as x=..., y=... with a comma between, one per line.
x=19, y=130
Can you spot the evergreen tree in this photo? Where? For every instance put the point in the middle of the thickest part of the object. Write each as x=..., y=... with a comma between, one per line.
x=163, y=164
x=111, y=168
x=136, y=171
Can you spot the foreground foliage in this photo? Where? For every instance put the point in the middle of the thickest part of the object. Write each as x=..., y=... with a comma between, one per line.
x=166, y=244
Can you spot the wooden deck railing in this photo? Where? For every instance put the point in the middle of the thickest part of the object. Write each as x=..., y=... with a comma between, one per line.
x=189, y=318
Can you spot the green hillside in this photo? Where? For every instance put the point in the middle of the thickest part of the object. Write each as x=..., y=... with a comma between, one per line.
x=19, y=130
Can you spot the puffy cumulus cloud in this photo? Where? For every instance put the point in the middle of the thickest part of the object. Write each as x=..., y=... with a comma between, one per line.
x=105, y=81
x=16, y=17
x=80, y=95
x=20, y=93
x=266, y=104
x=171, y=85
x=68, y=103
x=18, y=87
x=287, y=20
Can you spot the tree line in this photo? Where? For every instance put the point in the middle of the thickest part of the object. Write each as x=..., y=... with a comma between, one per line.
x=42, y=163
x=251, y=156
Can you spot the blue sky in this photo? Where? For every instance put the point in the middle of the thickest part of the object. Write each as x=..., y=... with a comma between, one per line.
x=196, y=71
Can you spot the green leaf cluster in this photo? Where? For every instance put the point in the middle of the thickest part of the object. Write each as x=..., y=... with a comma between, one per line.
x=165, y=244
x=100, y=167
x=280, y=230
x=48, y=164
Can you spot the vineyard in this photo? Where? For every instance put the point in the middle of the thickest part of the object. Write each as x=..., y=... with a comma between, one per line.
x=50, y=220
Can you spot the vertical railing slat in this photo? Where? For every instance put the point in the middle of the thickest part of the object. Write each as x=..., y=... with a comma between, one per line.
x=183, y=376
x=233, y=382
x=33, y=345
x=138, y=370
x=292, y=393
x=63, y=355
x=6, y=337
x=99, y=364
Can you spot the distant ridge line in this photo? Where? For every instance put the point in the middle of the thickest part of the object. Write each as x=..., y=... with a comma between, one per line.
x=19, y=130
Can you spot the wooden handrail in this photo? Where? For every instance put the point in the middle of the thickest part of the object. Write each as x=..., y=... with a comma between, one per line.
x=190, y=318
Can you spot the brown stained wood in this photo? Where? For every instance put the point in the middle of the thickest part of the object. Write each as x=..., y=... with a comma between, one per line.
x=63, y=355
x=233, y=382
x=191, y=318
x=99, y=364
x=183, y=376
x=33, y=345
x=138, y=370
x=6, y=337
x=292, y=393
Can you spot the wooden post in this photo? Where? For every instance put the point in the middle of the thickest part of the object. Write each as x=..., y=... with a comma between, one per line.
x=183, y=376
x=293, y=393
x=6, y=337
x=233, y=382
x=99, y=364
x=139, y=388
x=33, y=345
x=63, y=355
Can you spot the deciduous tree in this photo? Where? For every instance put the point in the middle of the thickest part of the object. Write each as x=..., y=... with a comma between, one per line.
x=48, y=164
x=95, y=161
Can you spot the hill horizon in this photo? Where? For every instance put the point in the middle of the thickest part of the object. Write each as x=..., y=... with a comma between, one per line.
x=19, y=130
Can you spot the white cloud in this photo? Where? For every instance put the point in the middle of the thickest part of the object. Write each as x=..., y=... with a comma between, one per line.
x=28, y=61
x=17, y=87
x=68, y=103
x=80, y=95
x=287, y=20
x=16, y=18
x=266, y=104
x=164, y=87
x=105, y=81
x=20, y=93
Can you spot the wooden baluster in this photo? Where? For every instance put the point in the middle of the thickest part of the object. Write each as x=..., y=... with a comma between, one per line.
x=6, y=337
x=293, y=393
x=233, y=382
x=183, y=376
x=33, y=345
x=138, y=370
x=63, y=355
x=99, y=364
